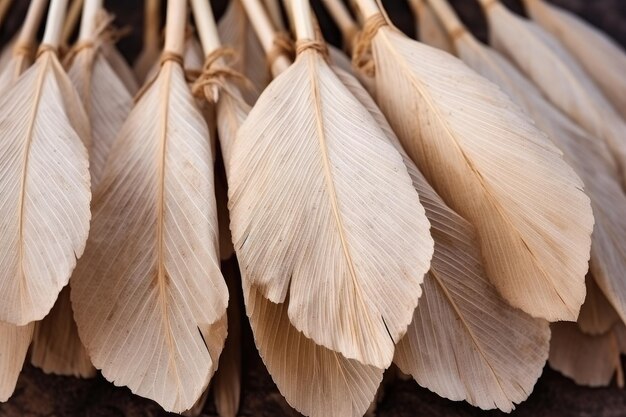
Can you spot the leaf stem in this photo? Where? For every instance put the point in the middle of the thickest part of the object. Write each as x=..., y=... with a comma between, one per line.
x=175, y=27
x=88, y=22
x=205, y=23
x=54, y=24
x=28, y=33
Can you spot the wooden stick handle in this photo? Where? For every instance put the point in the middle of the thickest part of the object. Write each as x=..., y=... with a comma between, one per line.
x=486, y=4
x=28, y=34
x=303, y=20
x=152, y=23
x=368, y=8
x=88, y=22
x=205, y=23
x=54, y=24
x=447, y=16
x=275, y=13
x=175, y=27
x=340, y=14
x=71, y=20
x=4, y=8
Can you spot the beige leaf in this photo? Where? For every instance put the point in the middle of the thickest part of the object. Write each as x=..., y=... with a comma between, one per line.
x=14, y=342
x=148, y=296
x=597, y=316
x=45, y=190
x=465, y=341
x=316, y=381
x=236, y=32
x=492, y=166
x=321, y=206
x=603, y=60
x=120, y=66
x=588, y=360
x=560, y=78
x=588, y=156
x=56, y=347
x=429, y=29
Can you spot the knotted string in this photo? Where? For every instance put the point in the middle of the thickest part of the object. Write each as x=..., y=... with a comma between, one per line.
x=46, y=48
x=216, y=76
x=362, y=57
x=282, y=46
x=316, y=45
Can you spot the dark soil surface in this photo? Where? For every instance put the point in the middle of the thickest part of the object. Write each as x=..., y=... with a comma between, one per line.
x=39, y=395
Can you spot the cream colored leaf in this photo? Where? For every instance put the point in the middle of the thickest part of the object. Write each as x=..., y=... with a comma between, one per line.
x=587, y=155
x=321, y=205
x=227, y=382
x=16, y=65
x=106, y=100
x=120, y=66
x=56, y=347
x=603, y=60
x=588, y=360
x=14, y=342
x=559, y=77
x=148, y=295
x=491, y=165
x=44, y=180
x=236, y=32
x=316, y=381
x=465, y=341
x=597, y=316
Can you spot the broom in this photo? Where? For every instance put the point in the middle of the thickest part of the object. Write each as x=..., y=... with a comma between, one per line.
x=326, y=392
x=149, y=54
x=45, y=182
x=491, y=165
x=587, y=155
x=56, y=346
x=148, y=296
x=24, y=46
x=559, y=77
x=603, y=60
x=298, y=116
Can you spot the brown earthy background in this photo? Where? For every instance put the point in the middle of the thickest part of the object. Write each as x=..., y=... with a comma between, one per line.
x=39, y=395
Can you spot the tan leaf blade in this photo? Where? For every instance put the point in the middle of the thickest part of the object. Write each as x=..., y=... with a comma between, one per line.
x=316, y=381
x=14, y=342
x=56, y=348
x=597, y=316
x=559, y=77
x=44, y=180
x=320, y=206
x=148, y=295
x=491, y=165
x=465, y=341
x=588, y=360
x=120, y=66
x=429, y=29
x=236, y=32
x=588, y=156
x=603, y=60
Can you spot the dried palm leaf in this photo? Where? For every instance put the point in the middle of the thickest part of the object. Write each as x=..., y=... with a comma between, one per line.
x=492, y=166
x=149, y=55
x=45, y=183
x=588, y=156
x=465, y=341
x=24, y=46
x=337, y=265
x=148, y=296
x=235, y=32
x=56, y=347
x=14, y=342
x=559, y=76
x=597, y=316
x=599, y=55
x=588, y=360
x=119, y=64
x=315, y=380
x=227, y=383
x=429, y=28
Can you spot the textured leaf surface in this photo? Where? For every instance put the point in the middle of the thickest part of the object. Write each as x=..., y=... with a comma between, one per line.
x=495, y=168
x=148, y=296
x=321, y=206
x=14, y=342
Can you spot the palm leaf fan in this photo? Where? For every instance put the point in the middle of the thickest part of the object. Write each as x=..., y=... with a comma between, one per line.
x=465, y=341
x=559, y=77
x=235, y=32
x=429, y=28
x=14, y=342
x=24, y=46
x=603, y=60
x=151, y=49
x=491, y=165
x=45, y=182
x=315, y=380
x=335, y=266
x=588, y=156
x=148, y=296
